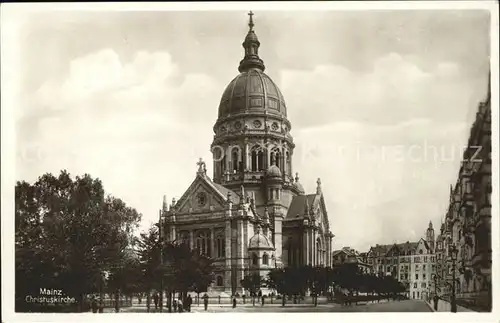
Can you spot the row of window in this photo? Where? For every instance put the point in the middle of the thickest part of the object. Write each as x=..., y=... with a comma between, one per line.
x=203, y=243
x=422, y=285
x=256, y=160
x=401, y=259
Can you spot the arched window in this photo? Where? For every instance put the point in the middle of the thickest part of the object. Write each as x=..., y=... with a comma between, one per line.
x=235, y=158
x=276, y=157
x=260, y=160
x=223, y=164
x=287, y=167
x=265, y=259
x=318, y=251
x=255, y=260
x=221, y=246
x=203, y=243
x=220, y=281
x=254, y=160
x=420, y=251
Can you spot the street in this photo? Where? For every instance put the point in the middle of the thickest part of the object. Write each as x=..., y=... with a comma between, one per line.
x=392, y=306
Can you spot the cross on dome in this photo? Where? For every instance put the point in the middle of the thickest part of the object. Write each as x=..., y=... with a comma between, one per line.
x=250, y=23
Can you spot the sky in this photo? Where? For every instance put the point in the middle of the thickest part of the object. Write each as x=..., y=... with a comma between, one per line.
x=381, y=104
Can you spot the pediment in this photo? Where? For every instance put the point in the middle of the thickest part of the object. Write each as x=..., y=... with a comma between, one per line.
x=201, y=196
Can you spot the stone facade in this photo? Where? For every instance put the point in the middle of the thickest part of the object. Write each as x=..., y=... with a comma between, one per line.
x=254, y=214
x=412, y=263
x=467, y=223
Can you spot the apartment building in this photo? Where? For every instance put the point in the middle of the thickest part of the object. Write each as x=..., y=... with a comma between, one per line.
x=412, y=263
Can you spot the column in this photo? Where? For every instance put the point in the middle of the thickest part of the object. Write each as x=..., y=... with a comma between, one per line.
x=212, y=243
x=228, y=274
x=191, y=239
x=311, y=247
x=216, y=171
x=305, y=247
x=172, y=232
x=228, y=158
x=245, y=156
x=240, y=251
x=267, y=156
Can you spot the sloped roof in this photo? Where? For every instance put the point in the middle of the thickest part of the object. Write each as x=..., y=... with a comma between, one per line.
x=220, y=190
x=382, y=250
x=350, y=253
x=235, y=198
x=296, y=209
x=407, y=246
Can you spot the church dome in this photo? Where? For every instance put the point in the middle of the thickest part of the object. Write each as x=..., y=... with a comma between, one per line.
x=299, y=187
x=252, y=91
x=297, y=184
x=273, y=171
x=260, y=242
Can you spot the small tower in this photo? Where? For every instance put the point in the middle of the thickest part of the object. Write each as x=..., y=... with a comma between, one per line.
x=318, y=187
x=430, y=237
x=165, y=205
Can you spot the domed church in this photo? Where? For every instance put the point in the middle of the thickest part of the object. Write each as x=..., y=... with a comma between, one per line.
x=253, y=214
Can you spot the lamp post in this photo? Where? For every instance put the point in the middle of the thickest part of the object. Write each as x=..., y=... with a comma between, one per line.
x=161, y=259
x=436, y=297
x=454, y=252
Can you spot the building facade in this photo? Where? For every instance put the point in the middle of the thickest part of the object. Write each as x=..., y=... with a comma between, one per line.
x=253, y=214
x=411, y=263
x=348, y=255
x=467, y=224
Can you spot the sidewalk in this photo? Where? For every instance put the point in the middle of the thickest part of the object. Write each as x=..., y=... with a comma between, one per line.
x=142, y=308
x=444, y=306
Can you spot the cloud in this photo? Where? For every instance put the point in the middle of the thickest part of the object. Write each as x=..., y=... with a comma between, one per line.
x=394, y=90
x=141, y=124
x=133, y=124
x=386, y=143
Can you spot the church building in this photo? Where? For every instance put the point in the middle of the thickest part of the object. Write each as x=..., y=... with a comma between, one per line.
x=253, y=214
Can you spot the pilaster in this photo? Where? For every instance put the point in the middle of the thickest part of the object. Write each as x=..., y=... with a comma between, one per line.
x=246, y=163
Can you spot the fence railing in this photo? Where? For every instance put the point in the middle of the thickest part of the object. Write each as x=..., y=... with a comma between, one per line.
x=225, y=300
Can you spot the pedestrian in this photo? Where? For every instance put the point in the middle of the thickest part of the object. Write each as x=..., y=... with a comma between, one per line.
x=175, y=305
x=234, y=302
x=188, y=302
x=180, y=305
x=262, y=299
x=94, y=305
x=205, y=301
x=155, y=298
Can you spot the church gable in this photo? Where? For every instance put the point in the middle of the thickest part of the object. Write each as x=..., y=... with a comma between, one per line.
x=320, y=213
x=201, y=196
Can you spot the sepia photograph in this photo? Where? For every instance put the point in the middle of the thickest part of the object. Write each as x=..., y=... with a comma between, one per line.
x=250, y=159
